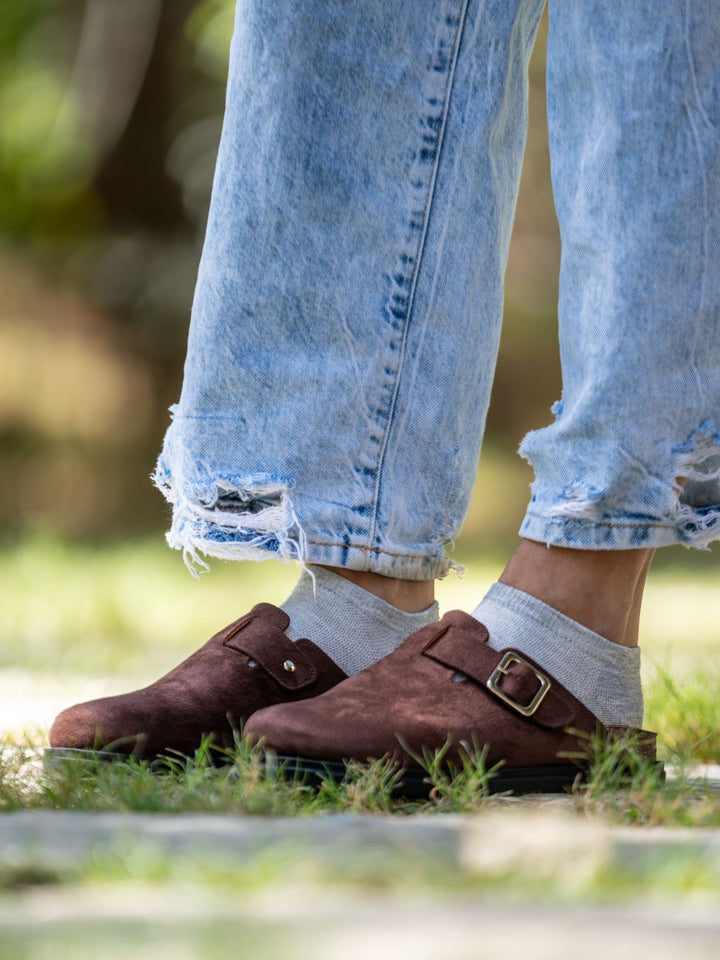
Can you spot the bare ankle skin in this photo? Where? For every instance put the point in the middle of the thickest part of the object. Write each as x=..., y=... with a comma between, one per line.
x=602, y=589
x=412, y=596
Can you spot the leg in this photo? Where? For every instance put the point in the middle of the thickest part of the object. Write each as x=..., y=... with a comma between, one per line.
x=348, y=306
x=631, y=462
x=633, y=116
x=349, y=299
x=412, y=596
x=601, y=589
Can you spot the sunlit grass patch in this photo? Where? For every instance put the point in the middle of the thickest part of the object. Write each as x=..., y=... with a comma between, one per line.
x=683, y=704
x=128, y=608
x=181, y=785
x=627, y=788
x=132, y=607
x=237, y=781
x=685, y=800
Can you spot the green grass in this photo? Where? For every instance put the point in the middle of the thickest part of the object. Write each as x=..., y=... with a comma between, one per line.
x=245, y=785
x=622, y=788
x=683, y=705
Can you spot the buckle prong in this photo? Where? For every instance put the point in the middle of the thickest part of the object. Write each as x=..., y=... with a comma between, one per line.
x=502, y=670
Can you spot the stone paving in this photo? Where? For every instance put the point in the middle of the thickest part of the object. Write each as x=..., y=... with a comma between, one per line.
x=292, y=924
x=535, y=837
x=293, y=914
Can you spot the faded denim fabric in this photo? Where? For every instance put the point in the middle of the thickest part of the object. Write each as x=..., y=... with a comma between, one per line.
x=348, y=305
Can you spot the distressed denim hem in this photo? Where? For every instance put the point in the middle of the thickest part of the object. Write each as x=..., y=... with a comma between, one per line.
x=405, y=566
x=232, y=518
x=253, y=518
x=692, y=528
x=212, y=541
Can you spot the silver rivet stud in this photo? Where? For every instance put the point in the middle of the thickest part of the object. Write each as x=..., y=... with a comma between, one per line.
x=252, y=664
x=289, y=666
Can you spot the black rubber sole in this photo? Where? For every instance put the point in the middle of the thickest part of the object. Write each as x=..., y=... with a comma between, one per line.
x=59, y=754
x=56, y=756
x=415, y=784
x=412, y=784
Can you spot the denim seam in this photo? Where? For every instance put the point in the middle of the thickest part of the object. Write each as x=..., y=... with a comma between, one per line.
x=462, y=16
x=365, y=549
x=706, y=242
x=600, y=523
x=221, y=417
x=445, y=530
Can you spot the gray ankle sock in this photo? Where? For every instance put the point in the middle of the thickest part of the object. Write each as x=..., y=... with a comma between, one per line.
x=348, y=623
x=603, y=675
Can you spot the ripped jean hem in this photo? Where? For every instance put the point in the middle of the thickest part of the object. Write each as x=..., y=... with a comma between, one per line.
x=253, y=518
x=695, y=528
x=346, y=556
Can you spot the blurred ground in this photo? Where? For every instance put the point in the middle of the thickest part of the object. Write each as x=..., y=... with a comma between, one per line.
x=507, y=884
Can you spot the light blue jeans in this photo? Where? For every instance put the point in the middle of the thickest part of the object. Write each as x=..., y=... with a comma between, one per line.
x=348, y=306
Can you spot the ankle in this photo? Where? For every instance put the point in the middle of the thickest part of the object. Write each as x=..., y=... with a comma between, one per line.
x=600, y=589
x=353, y=626
x=410, y=596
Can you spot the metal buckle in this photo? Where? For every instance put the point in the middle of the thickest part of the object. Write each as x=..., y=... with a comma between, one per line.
x=501, y=670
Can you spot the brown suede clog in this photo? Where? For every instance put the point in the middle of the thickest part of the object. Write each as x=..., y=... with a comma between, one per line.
x=248, y=665
x=443, y=687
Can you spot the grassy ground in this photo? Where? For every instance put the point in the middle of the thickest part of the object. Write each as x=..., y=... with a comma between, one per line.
x=622, y=789
x=81, y=621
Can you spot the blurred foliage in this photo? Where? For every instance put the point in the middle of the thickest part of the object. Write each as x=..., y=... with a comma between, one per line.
x=109, y=120
x=44, y=165
x=110, y=114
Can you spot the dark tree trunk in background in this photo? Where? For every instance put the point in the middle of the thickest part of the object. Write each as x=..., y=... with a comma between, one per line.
x=152, y=201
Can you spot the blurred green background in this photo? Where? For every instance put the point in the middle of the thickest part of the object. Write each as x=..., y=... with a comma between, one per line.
x=110, y=115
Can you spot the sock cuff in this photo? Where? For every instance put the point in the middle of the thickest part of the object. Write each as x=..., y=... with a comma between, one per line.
x=552, y=620
x=366, y=603
x=353, y=626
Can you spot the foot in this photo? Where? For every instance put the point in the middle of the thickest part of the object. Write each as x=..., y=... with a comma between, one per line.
x=260, y=660
x=249, y=665
x=357, y=618
x=444, y=686
x=577, y=613
x=604, y=676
